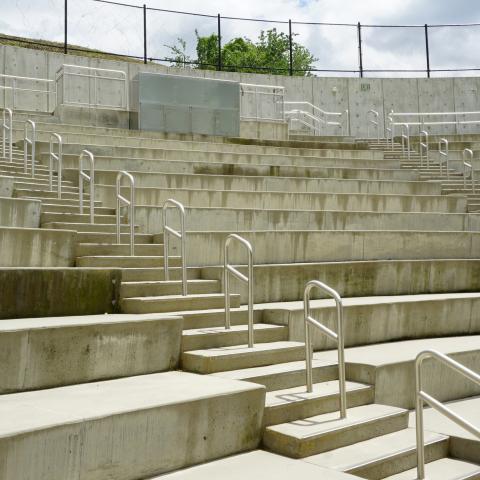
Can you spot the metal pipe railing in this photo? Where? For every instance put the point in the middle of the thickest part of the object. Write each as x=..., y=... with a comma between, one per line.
x=248, y=279
x=421, y=396
x=55, y=157
x=423, y=147
x=468, y=165
x=122, y=201
x=7, y=128
x=29, y=141
x=339, y=337
x=372, y=119
x=443, y=156
x=405, y=140
x=33, y=89
x=82, y=176
x=167, y=230
x=271, y=95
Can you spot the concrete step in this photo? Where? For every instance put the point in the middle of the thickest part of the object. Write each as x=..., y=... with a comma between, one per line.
x=443, y=469
x=48, y=208
x=44, y=193
x=77, y=349
x=216, y=337
x=88, y=227
x=175, y=303
x=290, y=404
x=71, y=204
x=118, y=427
x=216, y=318
x=172, y=287
x=111, y=238
x=32, y=184
x=255, y=465
x=126, y=261
x=154, y=274
x=382, y=456
x=104, y=249
x=322, y=433
x=240, y=356
x=67, y=217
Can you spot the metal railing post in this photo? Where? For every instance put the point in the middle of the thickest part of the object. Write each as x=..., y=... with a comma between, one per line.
x=421, y=396
x=469, y=152
x=423, y=147
x=82, y=176
x=444, y=154
x=339, y=337
x=167, y=230
x=55, y=157
x=248, y=279
x=7, y=127
x=406, y=140
x=121, y=201
x=373, y=121
x=29, y=141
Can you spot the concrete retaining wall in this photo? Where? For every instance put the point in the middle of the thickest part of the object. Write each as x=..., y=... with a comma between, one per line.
x=332, y=94
x=6, y=186
x=19, y=212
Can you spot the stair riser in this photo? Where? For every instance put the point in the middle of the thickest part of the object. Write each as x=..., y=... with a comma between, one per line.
x=159, y=290
x=77, y=218
x=157, y=274
x=125, y=262
x=111, y=238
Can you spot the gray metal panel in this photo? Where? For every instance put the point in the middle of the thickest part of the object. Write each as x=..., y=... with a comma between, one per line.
x=174, y=103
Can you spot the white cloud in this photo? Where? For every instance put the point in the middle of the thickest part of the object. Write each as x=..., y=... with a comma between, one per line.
x=119, y=29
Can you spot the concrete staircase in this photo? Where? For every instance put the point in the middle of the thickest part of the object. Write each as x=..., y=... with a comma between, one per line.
x=97, y=394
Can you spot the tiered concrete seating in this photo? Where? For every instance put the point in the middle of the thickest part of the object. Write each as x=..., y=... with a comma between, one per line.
x=92, y=391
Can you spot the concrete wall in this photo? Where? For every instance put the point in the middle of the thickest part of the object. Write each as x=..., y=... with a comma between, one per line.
x=20, y=212
x=334, y=94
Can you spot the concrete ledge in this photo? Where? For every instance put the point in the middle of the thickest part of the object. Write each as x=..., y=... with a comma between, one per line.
x=92, y=116
x=19, y=212
x=42, y=292
x=37, y=247
x=129, y=428
x=55, y=351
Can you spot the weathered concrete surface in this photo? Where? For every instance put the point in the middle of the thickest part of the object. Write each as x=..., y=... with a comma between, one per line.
x=269, y=130
x=282, y=246
x=135, y=427
x=57, y=351
x=42, y=292
x=6, y=186
x=35, y=247
x=285, y=282
x=17, y=212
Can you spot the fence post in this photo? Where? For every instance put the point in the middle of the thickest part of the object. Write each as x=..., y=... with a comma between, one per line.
x=144, y=34
x=219, y=35
x=360, y=57
x=290, y=47
x=65, y=41
x=427, y=51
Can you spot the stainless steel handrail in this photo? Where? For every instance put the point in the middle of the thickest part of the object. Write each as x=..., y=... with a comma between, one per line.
x=421, y=396
x=405, y=139
x=373, y=121
x=167, y=230
x=15, y=79
x=7, y=127
x=55, y=157
x=444, y=154
x=339, y=337
x=248, y=279
x=469, y=152
x=29, y=141
x=82, y=176
x=122, y=201
x=278, y=98
x=423, y=147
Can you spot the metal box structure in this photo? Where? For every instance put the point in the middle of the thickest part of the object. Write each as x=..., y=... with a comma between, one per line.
x=180, y=104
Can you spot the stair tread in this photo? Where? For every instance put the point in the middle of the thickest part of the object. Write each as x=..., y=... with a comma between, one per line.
x=178, y=297
x=373, y=450
x=286, y=396
x=319, y=425
x=443, y=469
x=233, y=328
x=258, y=349
x=171, y=282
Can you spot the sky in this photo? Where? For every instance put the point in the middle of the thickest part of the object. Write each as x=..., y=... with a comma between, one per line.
x=120, y=29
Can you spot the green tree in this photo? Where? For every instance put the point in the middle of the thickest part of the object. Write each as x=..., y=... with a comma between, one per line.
x=269, y=54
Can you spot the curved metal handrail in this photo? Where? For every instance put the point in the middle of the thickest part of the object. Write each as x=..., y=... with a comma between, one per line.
x=122, y=201
x=443, y=153
x=29, y=141
x=339, y=337
x=405, y=139
x=466, y=165
x=373, y=121
x=55, y=157
x=423, y=147
x=248, y=279
x=7, y=127
x=421, y=396
x=167, y=230
x=82, y=176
